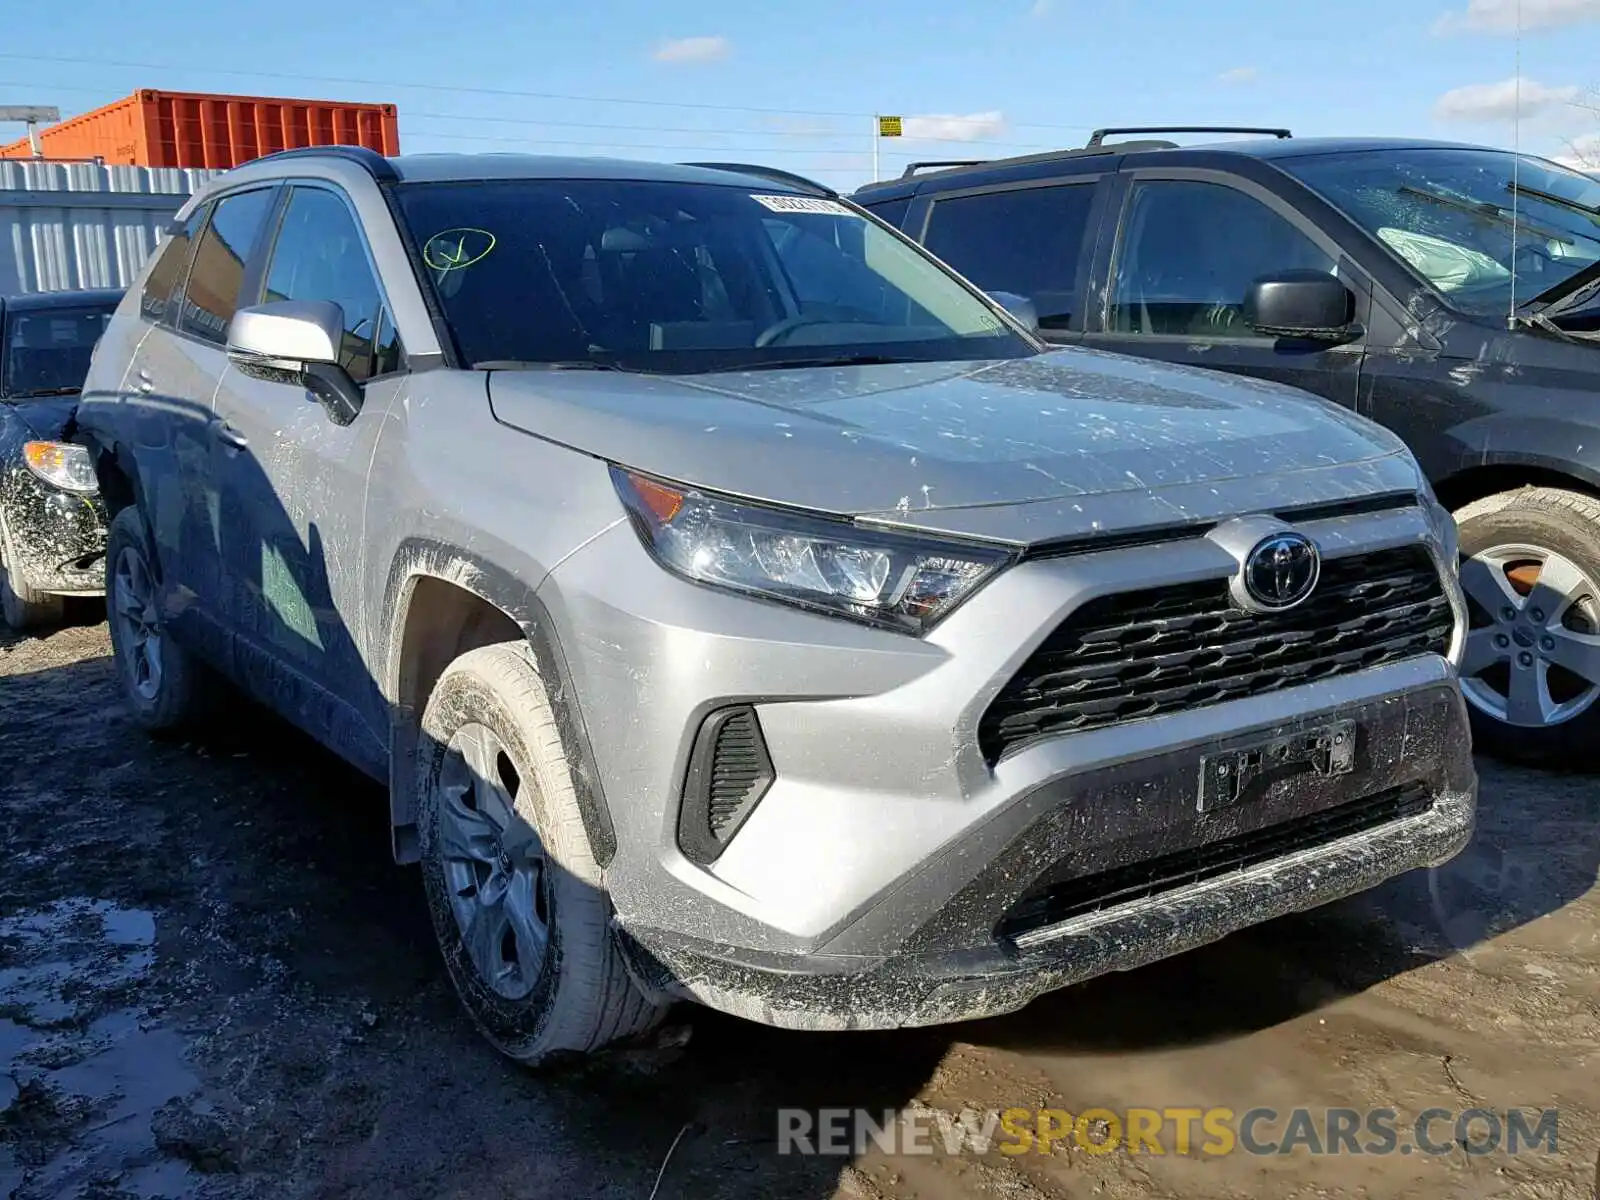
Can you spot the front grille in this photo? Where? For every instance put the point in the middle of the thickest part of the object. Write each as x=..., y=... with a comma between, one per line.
x=1141, y=654
x=1053, y=903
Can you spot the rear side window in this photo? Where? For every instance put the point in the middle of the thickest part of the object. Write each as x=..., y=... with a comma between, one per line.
x=1027, y=241
x=217, y=276
x=892, y=211
x=320, y=255
x=166, y=274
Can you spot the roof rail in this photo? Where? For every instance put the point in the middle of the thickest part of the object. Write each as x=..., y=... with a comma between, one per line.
x=371, y=161
x=772, y=173
x=1100, y=135
x=913, y=168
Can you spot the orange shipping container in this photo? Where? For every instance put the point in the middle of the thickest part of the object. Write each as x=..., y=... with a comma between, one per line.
x=196, y=129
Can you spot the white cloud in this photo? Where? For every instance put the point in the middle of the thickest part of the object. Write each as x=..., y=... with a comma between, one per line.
x=1490, y=102
x=946, y=127
x=1239, y=75
x=1583, y=152
x=1042, y=8
x=693, y=50
x=1500, y=16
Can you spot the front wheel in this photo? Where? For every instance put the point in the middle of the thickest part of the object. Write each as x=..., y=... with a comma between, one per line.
x=1530, y=669
x=513, y=888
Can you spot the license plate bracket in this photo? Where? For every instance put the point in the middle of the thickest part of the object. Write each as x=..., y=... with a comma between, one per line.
x=1326, y=749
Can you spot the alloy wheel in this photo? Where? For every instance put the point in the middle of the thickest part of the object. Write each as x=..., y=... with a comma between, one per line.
x=1532, y=653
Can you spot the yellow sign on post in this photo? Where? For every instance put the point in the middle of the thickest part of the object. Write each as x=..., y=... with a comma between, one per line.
x=889, y=127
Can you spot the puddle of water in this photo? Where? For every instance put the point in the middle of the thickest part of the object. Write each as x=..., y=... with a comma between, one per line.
x=67, y=1028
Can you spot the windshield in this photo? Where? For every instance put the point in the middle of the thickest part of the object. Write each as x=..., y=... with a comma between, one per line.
x=677, y=277
x=1449, y=215
x=47, y=350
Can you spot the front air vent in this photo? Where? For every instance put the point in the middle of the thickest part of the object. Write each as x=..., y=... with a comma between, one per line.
x=729, y=772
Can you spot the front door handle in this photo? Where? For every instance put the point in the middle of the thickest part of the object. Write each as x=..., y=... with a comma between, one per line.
x=231, y=437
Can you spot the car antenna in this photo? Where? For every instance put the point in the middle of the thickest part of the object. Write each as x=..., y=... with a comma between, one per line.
x=1516, y=162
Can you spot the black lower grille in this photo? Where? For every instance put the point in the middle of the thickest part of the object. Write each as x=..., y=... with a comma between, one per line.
x=737, y=769
x=1053, y=903
x=1141, y=654
x=729, y=771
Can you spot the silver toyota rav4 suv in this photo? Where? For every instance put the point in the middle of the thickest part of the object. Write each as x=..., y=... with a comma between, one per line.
x=741, y=607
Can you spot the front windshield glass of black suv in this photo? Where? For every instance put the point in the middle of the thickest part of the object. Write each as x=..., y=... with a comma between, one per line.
x=47, y=350
x=1451, y=214
x=684, y=277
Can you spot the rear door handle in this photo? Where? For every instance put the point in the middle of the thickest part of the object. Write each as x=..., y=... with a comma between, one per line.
x=229, y=436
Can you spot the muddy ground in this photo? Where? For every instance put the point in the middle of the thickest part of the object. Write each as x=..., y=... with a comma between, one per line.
x=214, y=982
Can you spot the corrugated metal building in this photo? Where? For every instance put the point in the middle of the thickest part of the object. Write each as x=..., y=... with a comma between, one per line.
x=66, y=225
x=210, y=130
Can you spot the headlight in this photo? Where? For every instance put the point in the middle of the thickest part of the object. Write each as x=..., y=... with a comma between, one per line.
x=901, y=581
x=62, y=465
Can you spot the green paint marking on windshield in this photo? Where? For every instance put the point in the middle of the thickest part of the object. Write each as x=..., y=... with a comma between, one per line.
x=452, y=249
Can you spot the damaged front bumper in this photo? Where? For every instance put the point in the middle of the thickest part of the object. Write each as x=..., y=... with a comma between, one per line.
x=1114, y=867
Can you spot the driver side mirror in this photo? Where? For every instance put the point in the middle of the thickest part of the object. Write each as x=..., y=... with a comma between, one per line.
x=1301, y=304
x=1020, y=307
x=297, y=341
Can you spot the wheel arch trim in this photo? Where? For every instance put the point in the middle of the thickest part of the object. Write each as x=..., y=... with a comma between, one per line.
x=418, y=559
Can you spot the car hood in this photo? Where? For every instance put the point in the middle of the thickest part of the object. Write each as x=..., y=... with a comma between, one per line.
x=44, y=417
x=935, y=437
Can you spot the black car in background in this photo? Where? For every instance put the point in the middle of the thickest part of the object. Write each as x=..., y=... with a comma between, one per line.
x=1449, y=292
x=52, y=522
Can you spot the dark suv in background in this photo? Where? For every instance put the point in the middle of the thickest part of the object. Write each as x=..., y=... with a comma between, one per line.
x=1450, y=292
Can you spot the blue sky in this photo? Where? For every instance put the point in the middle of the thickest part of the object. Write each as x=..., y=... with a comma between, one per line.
x=796, y=85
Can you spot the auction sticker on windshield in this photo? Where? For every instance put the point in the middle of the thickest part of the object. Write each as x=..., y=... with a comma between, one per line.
x=802, y=204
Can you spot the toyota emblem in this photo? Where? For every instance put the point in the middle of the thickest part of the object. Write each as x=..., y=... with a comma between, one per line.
x=1281, y=571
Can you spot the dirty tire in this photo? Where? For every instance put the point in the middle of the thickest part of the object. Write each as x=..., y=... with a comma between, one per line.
x=24, y=608
x=1566, y=524
x=584, y=997
x=187, y=688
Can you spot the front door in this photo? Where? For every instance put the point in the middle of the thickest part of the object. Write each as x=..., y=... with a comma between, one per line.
x=297, y=482
x=1188, y=246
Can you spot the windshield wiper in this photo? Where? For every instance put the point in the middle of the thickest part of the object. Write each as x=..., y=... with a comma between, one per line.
x=1486, y=209
x=1522, y=189
x=821, y=360
x=558, y=364
x=1571, y=292
x=67, y=390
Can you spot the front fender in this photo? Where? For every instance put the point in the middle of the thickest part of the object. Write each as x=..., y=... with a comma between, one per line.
x=420, y=558
x=1565, y=447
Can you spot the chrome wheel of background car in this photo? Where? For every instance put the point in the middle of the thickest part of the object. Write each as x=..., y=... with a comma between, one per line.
x=1532, y=654
x=493, y=864
x=133, y=607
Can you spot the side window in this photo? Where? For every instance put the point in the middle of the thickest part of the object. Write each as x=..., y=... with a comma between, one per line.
x=166, y=273
x=1190, y=250
x=1027, y=241
x=320, y=255
x=212, y=295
